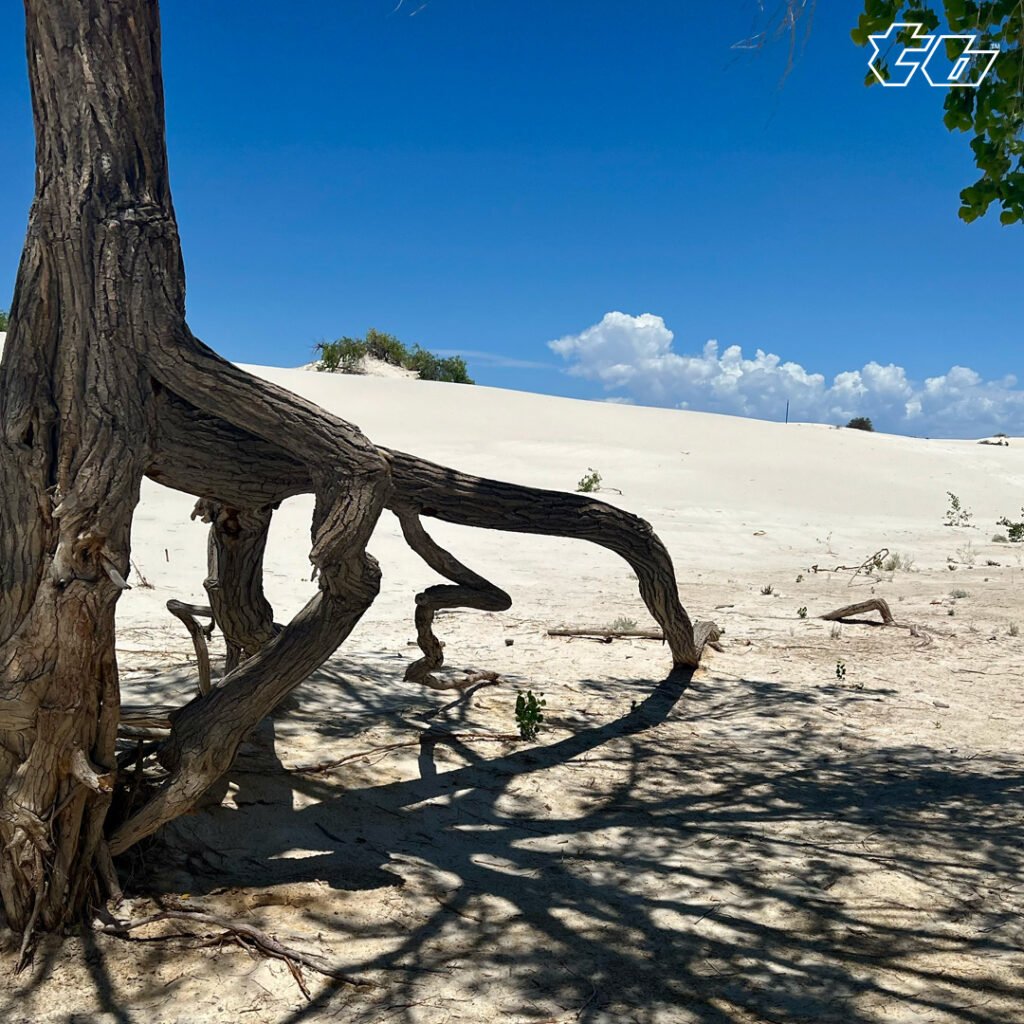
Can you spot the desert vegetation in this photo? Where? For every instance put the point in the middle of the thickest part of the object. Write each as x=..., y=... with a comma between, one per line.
x=348, y=355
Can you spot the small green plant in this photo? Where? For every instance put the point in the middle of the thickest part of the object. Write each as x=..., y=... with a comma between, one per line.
x=861, y=423
x=836, y=632
x=767, y=590
x=1000, y=538
x=1014, y=629
x=840, y=670
x=529, y=713
x=895, y=562
x=802, y=612
x=622, y=623
x=958, y=595
x=956, y=514
x=590, y=482
x=1014, y=531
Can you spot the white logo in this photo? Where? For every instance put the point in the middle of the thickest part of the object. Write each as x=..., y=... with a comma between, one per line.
x=967, y=71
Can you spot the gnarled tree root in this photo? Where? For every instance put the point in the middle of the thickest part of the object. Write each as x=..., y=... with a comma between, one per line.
x=470, y=591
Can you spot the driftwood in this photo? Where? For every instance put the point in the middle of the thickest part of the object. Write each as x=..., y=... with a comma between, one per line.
x=598, y=632
x=709, y=631
x=876, y=604
x=880, y=605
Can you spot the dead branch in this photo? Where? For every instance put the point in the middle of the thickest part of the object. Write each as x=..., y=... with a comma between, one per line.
x=871, y=562
x=875, y=604
x=609, y=634
x=880, y=605
x=470, y=591
x=603, y=635
x=188, y=614
x=265, y=943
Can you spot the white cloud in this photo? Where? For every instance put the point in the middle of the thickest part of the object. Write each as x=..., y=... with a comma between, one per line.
x=633, y=356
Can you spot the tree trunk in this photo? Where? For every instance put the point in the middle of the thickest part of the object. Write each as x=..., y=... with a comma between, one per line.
x=101, y=382
x=101, y=268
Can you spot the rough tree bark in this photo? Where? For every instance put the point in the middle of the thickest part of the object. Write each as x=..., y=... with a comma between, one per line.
x=101, y=383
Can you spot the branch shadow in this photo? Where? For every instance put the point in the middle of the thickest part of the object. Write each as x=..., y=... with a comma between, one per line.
x=746, y=874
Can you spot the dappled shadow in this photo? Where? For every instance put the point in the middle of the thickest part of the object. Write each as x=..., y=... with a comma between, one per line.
x=690, y=871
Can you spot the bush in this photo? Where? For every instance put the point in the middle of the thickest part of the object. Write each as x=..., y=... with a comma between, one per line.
x=346, y=356
x=590, y=482
x=3, y=321
x=1014, y=531
x=342, y=356
x=861, y=423
x=386, y=347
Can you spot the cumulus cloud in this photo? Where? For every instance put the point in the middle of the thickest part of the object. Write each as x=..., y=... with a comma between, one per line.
x=633, y=357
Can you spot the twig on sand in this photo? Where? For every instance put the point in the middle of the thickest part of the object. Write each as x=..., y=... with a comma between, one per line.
x=249, y=938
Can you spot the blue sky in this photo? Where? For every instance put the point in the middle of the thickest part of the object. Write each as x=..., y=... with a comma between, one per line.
x=489, y=176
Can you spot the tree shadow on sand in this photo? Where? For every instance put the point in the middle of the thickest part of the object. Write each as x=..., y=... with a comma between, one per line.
x=700, y=873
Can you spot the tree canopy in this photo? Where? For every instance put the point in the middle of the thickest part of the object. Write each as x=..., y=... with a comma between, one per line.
x=993, y=112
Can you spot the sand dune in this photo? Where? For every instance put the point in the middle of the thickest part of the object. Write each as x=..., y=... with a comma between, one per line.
x=826, y=825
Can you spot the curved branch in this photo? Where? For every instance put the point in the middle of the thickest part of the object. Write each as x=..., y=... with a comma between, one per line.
x=187, y=614
x=427, y=489
x=471, y=591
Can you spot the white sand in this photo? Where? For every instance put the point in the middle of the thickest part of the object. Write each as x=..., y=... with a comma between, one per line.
x=777, y=845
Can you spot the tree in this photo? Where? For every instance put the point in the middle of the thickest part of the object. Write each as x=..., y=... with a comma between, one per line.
x=102, y=383
x=861, y=423
x=994, y=111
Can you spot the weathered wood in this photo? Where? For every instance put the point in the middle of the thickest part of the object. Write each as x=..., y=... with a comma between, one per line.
x=874, y=604
x=598, y=631
x=470, y=591
x=187, y=614
x=878, y=604
x=101, y=382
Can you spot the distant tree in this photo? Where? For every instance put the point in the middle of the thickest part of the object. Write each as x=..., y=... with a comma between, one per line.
x=861, y=423
x=3, y=321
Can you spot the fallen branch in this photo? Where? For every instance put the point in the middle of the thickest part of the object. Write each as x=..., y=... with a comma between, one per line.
x=248, y=935
x=876, y=604
x=606, y=636
x=874, y=561
x=610, y=634
x=880, y=605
